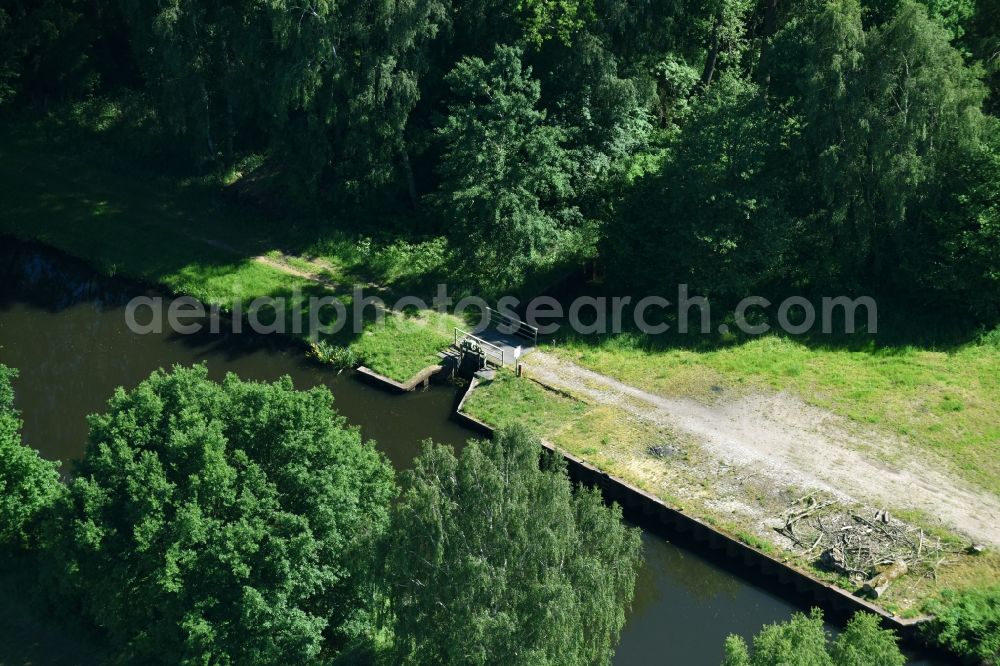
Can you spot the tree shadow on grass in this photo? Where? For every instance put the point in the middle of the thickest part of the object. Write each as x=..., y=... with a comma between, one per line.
x=902, y=326
x=64, y=187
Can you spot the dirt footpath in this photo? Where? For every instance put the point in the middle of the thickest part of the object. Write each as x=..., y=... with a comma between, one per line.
x=791, y=444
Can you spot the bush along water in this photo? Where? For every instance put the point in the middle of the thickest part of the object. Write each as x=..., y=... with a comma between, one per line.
x=967, y=624
x=340, y=358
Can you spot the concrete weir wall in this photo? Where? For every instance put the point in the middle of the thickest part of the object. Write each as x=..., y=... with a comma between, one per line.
x=422, y=378
x=653, y=514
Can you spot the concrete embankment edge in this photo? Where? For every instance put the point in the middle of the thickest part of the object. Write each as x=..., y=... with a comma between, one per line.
x=419, y=379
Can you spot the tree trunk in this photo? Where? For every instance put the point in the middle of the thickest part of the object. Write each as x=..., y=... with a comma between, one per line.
x=208, y=122
x=230, y=130
x=770, y=27
x=877, y=586
x=713, y=55
x=411, y=186
x=230, y=120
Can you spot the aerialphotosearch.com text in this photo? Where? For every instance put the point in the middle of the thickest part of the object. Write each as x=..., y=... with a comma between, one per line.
x=585, y=315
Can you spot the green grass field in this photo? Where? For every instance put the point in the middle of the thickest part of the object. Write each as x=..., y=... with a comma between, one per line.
x=187, y=237
x=508, y=400
x=405, y=345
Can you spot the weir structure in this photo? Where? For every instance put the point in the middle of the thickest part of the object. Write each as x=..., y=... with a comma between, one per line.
x=503, y=340
x=501, y=343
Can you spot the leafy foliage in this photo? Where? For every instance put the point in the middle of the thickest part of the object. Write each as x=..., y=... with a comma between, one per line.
x=223, y=523
x=740, y=215
x=28, y=484
x=968, y=624
x=494, y=559
x=341, y=358
x=46, y=50
x=803, y=641
x=864, y=643
x=506, y=176
x=329, y=85
x=604, y=111
x=850, y=169
x=545, y=19
x=905, y=114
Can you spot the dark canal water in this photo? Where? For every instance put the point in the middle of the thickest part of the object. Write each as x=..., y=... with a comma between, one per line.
x=66, y=332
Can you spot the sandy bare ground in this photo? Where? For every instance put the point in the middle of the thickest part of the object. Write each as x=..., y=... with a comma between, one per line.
x=279, y=263
x=282, y=266
x=791, y=444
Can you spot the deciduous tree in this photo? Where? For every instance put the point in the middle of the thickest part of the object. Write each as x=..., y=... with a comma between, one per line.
x=493, y=559
x=803, y=641
x=222, y=523
x=28, y=484
x=506, y=177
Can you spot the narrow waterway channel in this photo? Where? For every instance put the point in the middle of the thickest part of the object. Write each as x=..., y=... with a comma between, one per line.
x=65, y=330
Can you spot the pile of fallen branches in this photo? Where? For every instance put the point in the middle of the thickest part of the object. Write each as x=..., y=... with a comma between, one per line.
x=869, y=547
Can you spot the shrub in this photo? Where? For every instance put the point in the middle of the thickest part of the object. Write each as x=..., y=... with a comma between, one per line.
x=967, y=623
x=803, y=641
x=341, y=358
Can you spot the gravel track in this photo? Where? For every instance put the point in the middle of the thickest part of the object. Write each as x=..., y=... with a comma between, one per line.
x=791, y=443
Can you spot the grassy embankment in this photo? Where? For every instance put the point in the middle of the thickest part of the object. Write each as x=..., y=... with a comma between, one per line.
x=125, y=221
x=943, y=402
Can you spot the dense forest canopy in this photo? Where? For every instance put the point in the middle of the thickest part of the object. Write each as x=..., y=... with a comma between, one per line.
x=735, y=145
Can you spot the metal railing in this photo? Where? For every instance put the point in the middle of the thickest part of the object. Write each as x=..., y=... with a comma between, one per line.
x=487, y=350
x=518, y=327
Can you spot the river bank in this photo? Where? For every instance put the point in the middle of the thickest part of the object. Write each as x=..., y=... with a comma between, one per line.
x=71, y=344
x=164, y=235
x=189, y=239
x=161, y=233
